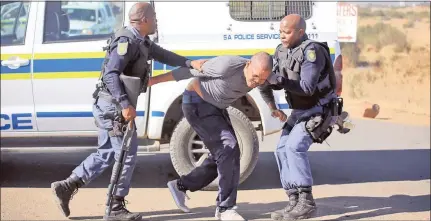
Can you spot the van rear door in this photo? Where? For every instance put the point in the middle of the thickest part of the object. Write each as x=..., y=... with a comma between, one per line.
x=18, y=21
x=68, y=56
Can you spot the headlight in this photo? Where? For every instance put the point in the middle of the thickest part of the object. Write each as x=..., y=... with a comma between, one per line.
x=87, y=32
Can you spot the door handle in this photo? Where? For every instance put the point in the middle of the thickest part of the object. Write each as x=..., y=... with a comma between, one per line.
x=15, y=62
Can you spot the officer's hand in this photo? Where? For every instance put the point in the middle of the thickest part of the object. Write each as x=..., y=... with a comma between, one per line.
x=279, y=114
x=197, y=64
x=129, y=113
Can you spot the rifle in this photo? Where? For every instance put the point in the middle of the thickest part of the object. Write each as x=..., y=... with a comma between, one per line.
x=133, y=87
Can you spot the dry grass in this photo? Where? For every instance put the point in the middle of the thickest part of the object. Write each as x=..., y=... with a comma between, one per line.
x=390, y=63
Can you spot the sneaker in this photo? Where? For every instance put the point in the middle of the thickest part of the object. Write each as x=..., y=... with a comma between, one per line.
x=229, y=214
x=178, y=196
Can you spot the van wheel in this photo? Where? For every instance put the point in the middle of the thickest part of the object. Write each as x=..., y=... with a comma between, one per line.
x=188, y=151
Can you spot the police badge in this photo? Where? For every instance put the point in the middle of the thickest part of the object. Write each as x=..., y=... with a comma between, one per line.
x=311, y=55
x=122, y=48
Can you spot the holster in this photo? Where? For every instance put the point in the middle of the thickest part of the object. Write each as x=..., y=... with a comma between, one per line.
x=320, y=126
x=118, y=123
x=118, y=129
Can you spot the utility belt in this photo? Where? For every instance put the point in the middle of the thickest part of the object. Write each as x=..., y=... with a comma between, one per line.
x=118, y=122
x=320, y=125
x=306, y=102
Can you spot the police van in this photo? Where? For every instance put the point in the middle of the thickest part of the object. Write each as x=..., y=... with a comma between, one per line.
x=49, y=72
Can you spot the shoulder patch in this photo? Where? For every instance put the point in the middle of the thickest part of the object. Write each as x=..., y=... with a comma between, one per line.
x=122, y=48
x=311, y=55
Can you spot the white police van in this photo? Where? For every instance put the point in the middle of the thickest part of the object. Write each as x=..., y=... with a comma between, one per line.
x=88, y=18
x=48, y=74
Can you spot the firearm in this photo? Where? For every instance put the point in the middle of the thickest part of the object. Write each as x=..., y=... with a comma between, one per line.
x=133, y=87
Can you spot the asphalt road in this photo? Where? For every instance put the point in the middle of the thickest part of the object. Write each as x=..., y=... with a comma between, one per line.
x=378, y=171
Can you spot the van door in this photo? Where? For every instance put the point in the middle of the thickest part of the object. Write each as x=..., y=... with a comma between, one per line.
x=68, y=56
x=17, y=28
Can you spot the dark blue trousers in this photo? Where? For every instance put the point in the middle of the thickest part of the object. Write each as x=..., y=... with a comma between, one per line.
x=214, y=128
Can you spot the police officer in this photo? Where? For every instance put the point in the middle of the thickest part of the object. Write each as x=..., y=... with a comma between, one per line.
x=223, y=80
x=127, y=53
x=302, y=68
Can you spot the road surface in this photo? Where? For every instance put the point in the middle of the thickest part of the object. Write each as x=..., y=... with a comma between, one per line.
x=379, y=171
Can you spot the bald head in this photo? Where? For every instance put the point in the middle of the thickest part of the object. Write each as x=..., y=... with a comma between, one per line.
x=139, y=11
x=262, y=61
x=143, y=17
x=292, y=29
x=294, y=21
x=258, y=69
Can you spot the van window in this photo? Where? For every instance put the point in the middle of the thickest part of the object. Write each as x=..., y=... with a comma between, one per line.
x=268, y=10
x=81, y=14
x=14, y=16
x=101, y=14
x=108, y=10
x=79, y=21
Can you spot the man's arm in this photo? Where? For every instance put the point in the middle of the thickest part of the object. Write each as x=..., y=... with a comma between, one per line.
x=267, y=95
x=118, y=60
x=312, y=67
x=271, y=83
x=176, y=75
x=214, y=68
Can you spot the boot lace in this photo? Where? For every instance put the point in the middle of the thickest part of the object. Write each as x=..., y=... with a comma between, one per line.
x=301, y=203
x=123, y=205
x=73, y=193
x=293, y=200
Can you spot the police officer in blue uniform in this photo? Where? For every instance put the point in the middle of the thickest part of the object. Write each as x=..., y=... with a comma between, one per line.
x=303, y=68
x=128, y=51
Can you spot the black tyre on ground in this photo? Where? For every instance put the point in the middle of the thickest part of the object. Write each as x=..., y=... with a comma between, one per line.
x=187, y=150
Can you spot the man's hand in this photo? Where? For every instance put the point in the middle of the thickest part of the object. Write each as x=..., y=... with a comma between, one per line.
x=197, y=64
x=279, y=114
x=129, y=113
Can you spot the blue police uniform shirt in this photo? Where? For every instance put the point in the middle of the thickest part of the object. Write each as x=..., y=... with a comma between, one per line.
x=117, y=64
x=311, y=70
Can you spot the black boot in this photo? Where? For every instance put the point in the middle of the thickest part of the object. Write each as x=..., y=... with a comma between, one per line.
x=293, y=200
x=64, y=190
x=305, y=208
x=119, y=211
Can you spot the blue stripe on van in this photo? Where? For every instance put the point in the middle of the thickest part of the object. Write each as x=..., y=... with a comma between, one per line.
x=21, y=70
x=157, y=114
x=84, y=64
x=86, y=114
x=68, y=65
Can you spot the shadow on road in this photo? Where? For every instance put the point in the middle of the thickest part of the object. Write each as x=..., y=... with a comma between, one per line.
x=346, y=208
x=344, y=167
x=153, y=170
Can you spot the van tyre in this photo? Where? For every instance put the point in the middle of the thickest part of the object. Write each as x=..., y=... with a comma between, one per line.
x=183, y=136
